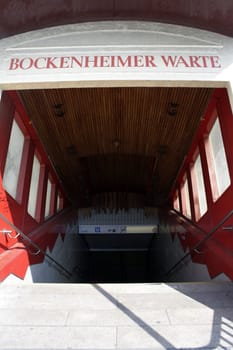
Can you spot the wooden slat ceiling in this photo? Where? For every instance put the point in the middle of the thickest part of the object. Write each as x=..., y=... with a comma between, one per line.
x=116, y=139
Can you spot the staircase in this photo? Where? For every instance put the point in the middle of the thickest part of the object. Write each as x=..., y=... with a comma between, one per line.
x=212, y=248
x=116, y=316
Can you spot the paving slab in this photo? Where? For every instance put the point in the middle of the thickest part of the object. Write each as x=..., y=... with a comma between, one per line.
x=54, y=338
x=172, y=337
x=116, y=316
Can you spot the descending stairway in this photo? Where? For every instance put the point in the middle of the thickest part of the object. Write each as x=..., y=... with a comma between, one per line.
x=208, y=248
x=116, y=316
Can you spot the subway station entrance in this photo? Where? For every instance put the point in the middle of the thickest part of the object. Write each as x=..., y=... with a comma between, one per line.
x=117, y=152
x=116, y=168
x=116, y=134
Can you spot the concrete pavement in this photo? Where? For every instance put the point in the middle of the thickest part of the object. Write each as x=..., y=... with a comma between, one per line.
x=116, y=316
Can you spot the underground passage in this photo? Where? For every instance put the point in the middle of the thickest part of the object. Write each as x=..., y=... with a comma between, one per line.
x=116, y=174
x=116, y=185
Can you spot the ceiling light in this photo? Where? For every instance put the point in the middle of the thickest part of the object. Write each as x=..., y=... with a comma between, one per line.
x=71, y=149
x=59, y=114
x=172, y=109
x=116, y=143
x=162, y=149
x=58, y=110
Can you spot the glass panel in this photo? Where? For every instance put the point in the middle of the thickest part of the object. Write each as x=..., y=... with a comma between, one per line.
x=13, y=160
x=187, y=199
x=48, y=199
x=200, y=186
x=219, y=159
x=32, y=201
x=176, y=202
x=58, y=202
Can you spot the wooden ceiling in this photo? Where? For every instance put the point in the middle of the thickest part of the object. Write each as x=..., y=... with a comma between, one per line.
x=116, y=140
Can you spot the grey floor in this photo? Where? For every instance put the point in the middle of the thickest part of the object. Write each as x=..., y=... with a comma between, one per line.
x=120, y=316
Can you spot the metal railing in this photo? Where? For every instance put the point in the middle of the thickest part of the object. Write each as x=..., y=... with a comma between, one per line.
x=61, y=269
x=195, y=249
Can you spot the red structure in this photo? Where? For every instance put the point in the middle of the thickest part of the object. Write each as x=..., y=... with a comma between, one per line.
x=217, y=250
x=202, y=192
x=14, y=255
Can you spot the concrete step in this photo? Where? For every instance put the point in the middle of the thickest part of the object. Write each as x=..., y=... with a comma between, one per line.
x=117, y=316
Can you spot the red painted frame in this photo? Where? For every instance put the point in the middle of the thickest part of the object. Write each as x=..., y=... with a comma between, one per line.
x=16, y=209
x=218, y=106
x=219, y=248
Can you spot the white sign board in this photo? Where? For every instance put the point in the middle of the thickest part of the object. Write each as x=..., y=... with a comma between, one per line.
x=117, y=53
x=112, y=229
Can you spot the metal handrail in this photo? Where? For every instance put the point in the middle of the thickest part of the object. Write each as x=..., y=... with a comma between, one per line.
x=35, y=245
x=190, y=222
x=206, y=238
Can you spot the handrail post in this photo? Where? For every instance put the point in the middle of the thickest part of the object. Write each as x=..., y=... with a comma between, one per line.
x=206, y=238
x=35, y=245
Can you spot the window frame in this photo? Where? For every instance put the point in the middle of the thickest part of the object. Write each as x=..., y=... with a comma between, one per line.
x=196, y=189
x=211, y=162
x=37, y=209
x=186, y=197
x=17, y=196
x=48, y=198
